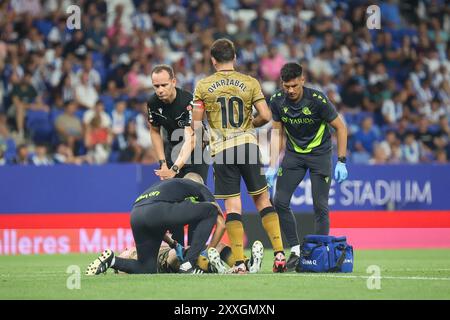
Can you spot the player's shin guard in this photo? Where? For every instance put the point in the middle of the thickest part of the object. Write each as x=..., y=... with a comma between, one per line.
x=235, y=230
x=271, y=224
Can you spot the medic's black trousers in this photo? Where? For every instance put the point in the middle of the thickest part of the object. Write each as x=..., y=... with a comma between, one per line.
x=149, y=222
x=291, y=173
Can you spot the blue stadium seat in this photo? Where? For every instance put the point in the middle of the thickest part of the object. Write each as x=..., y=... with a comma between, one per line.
x=108, y=102
x=10, y=151
x=44, y=26
x=39, y=125
x=80, y=113
x=54, y=114
x=114, y=157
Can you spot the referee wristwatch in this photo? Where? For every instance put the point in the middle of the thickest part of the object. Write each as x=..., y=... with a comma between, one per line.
x=161, y=162
x=175, y=169
x=342, y=159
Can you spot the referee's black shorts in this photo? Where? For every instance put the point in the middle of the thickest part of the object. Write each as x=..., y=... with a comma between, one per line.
x=235, y=162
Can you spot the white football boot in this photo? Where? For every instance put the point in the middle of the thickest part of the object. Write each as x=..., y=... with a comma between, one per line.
x=257, y=257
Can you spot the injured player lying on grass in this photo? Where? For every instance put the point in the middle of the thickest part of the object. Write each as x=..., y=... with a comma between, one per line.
x=214, y=260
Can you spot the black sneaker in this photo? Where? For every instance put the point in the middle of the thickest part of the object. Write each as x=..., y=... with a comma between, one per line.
x=292, y=262
x=101, y=264
x=195, y=270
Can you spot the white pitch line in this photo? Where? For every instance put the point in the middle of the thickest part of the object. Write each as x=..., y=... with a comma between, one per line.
x=361, y=277
x=417, y=270
x=301, y=275
x=312, y=275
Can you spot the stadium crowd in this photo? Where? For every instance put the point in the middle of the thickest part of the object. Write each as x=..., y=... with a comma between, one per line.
x=79, y=96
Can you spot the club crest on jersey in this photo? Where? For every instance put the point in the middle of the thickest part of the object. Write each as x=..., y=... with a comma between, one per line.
x=285, y=109
x=160, y=110
x=306, y=111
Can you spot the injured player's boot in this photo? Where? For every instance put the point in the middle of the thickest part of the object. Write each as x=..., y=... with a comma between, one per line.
x=257, y=256
x=216, y=262
x=101, y=264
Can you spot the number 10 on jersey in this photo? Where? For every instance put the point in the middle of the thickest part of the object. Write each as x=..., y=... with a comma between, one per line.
x=227, y=107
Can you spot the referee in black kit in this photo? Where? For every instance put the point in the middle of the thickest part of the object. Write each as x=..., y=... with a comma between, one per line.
x=304, y=114
x=170, y=107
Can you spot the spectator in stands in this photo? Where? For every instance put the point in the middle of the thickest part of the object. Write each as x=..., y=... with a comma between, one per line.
x=59, y=32
x=66, y=88
x=379, y=155
x=132, y=80
x=33, y=42
x=287, y=21
x=64, y=155
x=390, y=14
x=22, y=155
x=76, y=45
x=424, y=135
x=96, y=39
x=444, y=95
x=112, y=95
x=441, y=157
x=366, y=136
x=142, y=126
x=97, y=111
x=98, y=140
x=132, y=151
x=119, y=118
x=434, y=111
x=379, y=75
x=41, y=157
x=391, y=147
x=442, y=135
x=179, y=37
x=5, y=137
x=392, y=109
x=69, y=127
x=352, y=95
x=93, y=77
x=85, y=94
x=141, y=19
x=2, y=153
x=260, y=24
x=320, y=23
x=22, y=95
x=271, y=64
x=411, y=149
x=149, y=156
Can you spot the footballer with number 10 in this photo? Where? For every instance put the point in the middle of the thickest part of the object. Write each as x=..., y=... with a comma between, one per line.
x=227, y=97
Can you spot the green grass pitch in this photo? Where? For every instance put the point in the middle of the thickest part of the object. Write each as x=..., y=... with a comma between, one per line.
x=405, y=274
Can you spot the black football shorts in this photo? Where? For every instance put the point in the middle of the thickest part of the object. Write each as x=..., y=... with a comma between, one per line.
x=233, y=163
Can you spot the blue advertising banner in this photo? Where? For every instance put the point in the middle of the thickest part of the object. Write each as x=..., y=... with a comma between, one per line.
x=113, y=188
x=384, y=187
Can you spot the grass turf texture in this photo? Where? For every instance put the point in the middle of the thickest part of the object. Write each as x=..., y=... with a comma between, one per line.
x=406, y=274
